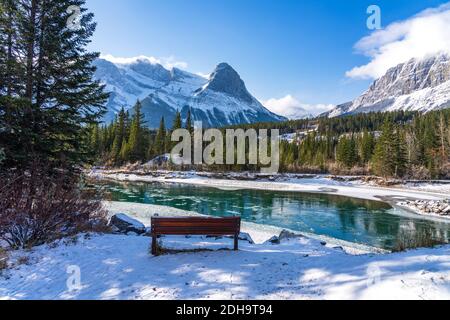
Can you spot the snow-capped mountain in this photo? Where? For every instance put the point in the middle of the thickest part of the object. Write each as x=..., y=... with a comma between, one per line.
x=221, y=100
x=417, y=85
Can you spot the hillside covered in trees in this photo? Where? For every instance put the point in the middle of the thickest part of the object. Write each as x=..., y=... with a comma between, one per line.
x=398, y=144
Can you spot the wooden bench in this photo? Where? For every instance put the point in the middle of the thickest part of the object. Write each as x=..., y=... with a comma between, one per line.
x=197, y=226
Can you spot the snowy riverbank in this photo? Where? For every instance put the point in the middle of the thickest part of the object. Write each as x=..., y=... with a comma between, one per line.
x=396, y=196
x=120, y=267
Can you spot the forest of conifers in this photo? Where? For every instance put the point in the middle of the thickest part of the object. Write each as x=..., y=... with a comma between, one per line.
x=398, y=144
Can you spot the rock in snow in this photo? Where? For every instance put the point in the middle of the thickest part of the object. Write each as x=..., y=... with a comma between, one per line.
x=288, y=235
x=273, y=240
x=121, y=223
x=246, y=237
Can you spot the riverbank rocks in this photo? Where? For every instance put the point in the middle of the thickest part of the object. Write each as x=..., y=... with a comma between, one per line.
x=285, y=235
x=430, y=207
x=246, y=237
x=124, y=224
x=273, y=240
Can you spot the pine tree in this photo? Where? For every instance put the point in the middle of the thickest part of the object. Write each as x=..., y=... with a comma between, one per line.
x=56, y=96
x=160, y=140
x=177, y=123
x=367, y=147
x=189, y=124
x=400, y=153
x=346, y=153
x=119, y=137
x=95, y=139
x=390, y=156
x=124, y=151
x=136, y=147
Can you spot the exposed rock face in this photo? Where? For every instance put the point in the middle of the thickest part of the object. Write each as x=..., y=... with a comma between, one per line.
x=417, y=85
x=221, y=100
x=226, y=80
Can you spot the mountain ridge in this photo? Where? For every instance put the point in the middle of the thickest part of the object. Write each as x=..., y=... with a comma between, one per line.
x=220, y=100
x=417, y=85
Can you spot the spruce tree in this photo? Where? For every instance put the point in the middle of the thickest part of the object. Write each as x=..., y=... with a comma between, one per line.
x=119, y=137
x=189, y=123
x=136, y=147
x=177, y=123
x=160, y=140
x=367, y=147
x=400, y=153
x=389, y=159
x=55, y=96
x=346, y=153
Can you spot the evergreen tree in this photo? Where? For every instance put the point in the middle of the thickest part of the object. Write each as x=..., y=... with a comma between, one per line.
x=119, y=137
x=136, y=147
x=367, y=147
x=390, y=156
x=50, y=74
x=400, y=153
x=346, y=153
x=160, y=140
x=177, y=123
x=189, y=123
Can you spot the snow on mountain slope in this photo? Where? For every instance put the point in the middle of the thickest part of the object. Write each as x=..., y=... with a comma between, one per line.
x=417, y=85
x=218, y=101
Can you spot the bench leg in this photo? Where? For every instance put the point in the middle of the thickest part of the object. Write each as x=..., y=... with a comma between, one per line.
x=236, y=242
x=154, y=245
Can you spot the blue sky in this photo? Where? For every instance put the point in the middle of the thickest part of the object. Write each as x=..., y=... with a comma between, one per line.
x=289, y=48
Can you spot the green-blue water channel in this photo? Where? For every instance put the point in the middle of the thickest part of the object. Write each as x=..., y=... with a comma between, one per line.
x=366, y=222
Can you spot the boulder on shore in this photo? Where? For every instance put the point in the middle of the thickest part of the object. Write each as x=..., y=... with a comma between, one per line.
x=246, y=237
x=273, y=240
x=286, y=235
x=124, y=224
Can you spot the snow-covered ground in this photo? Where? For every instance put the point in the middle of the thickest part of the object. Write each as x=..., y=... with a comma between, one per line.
x=309, y=267
x=121, y=267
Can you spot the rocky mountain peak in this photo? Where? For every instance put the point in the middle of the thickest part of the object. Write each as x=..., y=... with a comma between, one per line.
x=218, y=101
x=416, y=85
x=225, y=79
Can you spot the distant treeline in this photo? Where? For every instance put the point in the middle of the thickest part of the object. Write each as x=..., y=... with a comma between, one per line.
x=129, y=140
x=396, y=144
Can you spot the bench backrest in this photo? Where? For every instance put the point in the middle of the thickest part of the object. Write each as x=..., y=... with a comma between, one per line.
x=196, y=226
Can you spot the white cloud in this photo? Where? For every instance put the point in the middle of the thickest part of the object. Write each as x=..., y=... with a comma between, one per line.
x=203, y=75
x=422, y=35
x=292, y=108
x=167, y=62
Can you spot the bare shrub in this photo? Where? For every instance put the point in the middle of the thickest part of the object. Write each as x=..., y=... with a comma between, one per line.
x=419, y=173
x=414, y=240
x=336, y=169
x=38, y=206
